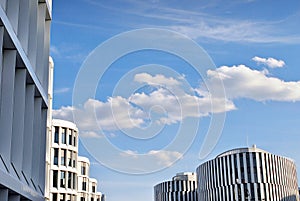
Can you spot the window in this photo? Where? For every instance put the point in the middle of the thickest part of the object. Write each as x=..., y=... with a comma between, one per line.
x=74, y=159
x=92, y=199
x=70, y=138
x=94, y=188
x=69, y=158
x=56, y=134
x=74, y=181
x=55, y=161
x=84, y=184
x=54, y=196
x=74, y=140
x=63, y=179
x=83, y=169
x=63, y=136
x=69, y=180
x=63, y=157
x=55, y=178
x=82, y=199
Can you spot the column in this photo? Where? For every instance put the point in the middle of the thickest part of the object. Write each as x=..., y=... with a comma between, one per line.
x=18, y=120
x=6, y=104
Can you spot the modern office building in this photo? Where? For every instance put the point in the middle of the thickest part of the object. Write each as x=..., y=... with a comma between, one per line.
x=24, y=80
x=69, y=173
x=248, y=174
x=183, y=187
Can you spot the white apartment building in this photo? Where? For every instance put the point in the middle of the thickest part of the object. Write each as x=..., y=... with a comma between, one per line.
x=69, y=173
x=24, y=97
x=87, y=187
x=183, y=187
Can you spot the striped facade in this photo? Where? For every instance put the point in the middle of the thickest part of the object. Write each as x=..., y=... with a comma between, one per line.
x=248, y=174
x=182, y=188
x=24, y=97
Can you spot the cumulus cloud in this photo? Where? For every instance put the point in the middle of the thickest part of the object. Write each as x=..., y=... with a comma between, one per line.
x=269, y=62
x=94, y=115
x=243, y=82
x=172, y=104
x=156, y=80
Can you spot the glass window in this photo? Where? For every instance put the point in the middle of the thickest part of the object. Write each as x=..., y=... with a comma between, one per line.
x=69, y=158
x=84, y=184
x=83, y=170
x=74, y=159
x=82, y=199
x=56, y=134
x=55, y=161
x=74, y=181
x=54, y=196
x=63, y=179
x=55, y=178
x=74, y=140
x=64, y=136
x=63, y=157
x=70, y=138
x=94, y=188
x=69, y=180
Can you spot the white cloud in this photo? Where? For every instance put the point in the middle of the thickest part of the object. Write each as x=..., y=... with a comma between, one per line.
x=54, y=50
x=164, y=157
x=154, y=157
x=270, y=62
x=243, y=82
x=156, y=80
x=90, y=134
x=111, y=115
x=62, y=90
x=172, y=105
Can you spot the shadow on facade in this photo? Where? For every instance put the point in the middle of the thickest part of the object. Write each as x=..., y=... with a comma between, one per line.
x=290, y=198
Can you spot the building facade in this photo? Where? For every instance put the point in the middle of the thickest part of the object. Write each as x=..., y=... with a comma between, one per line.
x=24, y=100
x=69, y=173
x=248, y=174
x=183, y=187
x=87, y=187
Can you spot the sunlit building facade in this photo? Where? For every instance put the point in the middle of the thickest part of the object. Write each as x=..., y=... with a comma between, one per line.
x=64, y=153
x=248, y=174
x=69, y=173
x=87, y=187
x=24, y=97
x=182, y=187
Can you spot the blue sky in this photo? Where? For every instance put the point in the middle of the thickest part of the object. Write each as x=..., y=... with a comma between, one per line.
x=153, y=107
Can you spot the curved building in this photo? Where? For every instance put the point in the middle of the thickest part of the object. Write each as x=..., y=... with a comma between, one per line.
x=182, y=188
x=248, y=174
x=64, y=153
x=87, y=187
x=69, y=173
